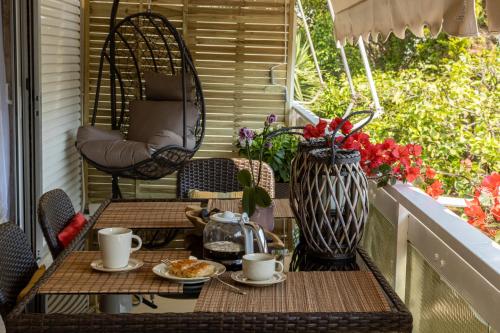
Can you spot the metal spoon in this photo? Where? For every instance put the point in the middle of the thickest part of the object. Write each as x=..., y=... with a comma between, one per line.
x=234, y=288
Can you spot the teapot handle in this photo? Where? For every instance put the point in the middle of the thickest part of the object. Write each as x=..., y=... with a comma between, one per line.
x=260, y=235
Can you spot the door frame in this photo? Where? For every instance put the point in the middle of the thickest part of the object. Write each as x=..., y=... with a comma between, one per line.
x=27, y=121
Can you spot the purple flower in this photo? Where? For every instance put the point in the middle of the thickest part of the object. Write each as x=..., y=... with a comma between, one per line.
x=268, y=144
x=271, y=119
x=246, y=135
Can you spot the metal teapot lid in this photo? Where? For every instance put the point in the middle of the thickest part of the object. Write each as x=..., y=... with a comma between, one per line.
x=226, y=217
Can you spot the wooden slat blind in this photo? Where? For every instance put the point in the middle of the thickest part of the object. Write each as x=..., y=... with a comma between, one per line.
x=235, y=44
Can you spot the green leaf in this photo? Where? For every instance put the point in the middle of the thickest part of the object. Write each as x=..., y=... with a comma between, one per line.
x=245, y=178
x=382, y=181
x=248, y=200
x=262, y=198
x=385, y=168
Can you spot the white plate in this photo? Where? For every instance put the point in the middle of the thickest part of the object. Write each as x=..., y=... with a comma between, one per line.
x=132, y=264
x=278, y=277
x=162, y=270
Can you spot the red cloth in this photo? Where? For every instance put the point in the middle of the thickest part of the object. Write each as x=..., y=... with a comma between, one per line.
x=71, y=230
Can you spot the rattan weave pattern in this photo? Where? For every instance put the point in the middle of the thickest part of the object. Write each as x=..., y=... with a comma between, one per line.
x=145, y=215
x=316, y=292
x=55, y=209
x=17, y=264
x=282, y=207
x=75, y=276
x=398, y=320
x=219, y=175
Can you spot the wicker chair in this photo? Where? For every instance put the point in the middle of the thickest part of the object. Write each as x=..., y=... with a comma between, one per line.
x=54, y=212
x=17, y=265
x=219, y=175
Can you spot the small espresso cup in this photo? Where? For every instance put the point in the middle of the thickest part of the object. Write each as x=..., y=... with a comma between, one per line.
x=260, y=266
x=116, y=246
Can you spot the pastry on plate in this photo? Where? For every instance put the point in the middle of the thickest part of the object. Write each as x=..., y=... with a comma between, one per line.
x=190, y=268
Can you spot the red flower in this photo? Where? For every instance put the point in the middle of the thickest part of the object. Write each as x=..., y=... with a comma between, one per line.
x=350, y=143
x=346, y=128
x=415, y=150
x=318, y=131
x=435, y=189
x=495, y=211
x=404, y=156
x=491, y=183
x=475, y=213
x=430, y=173
x=413, y=173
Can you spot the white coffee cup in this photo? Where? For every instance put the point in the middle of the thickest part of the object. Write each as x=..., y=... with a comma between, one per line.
x=260, y=266
x=116, y=246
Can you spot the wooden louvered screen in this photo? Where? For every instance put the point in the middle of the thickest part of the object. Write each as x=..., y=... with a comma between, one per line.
x=235, y=44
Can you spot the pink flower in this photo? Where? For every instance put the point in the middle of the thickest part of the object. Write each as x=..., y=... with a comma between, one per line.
x=270, y=119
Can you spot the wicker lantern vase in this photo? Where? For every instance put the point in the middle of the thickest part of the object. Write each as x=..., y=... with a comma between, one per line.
x=298, y=168
x=333, y=203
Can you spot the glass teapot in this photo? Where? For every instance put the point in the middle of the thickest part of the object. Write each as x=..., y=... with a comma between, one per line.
x=228, y=236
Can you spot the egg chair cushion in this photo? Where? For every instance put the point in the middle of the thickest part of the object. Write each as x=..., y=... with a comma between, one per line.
x=167, y=138
x=116, y=154
x=149, y=119
x=92, y=133
x=162, y=87
x=109, y=149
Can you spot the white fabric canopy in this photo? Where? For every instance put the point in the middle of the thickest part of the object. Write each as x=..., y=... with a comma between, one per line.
x=365, y=18
x=493, y=15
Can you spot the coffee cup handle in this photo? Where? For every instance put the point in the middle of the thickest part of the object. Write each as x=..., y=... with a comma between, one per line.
x=281, y=268
x=139, y=240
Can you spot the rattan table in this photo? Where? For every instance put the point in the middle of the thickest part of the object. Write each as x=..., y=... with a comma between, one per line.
x=318, y=296
x=75, y=276
x=145, y=214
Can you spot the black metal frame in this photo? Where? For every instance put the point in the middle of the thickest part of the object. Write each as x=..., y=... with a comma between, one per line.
x=177, y=58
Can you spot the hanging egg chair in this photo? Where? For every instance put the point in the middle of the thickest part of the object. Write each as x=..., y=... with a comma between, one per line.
x=148, y=89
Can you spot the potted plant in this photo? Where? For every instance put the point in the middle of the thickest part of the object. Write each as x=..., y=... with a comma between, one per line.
x=267, y=145
x=278, y=152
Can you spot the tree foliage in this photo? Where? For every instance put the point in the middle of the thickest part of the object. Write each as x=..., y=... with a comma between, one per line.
x=442, y=93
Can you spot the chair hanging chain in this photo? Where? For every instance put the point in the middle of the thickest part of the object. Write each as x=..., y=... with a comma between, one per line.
x=149, y=6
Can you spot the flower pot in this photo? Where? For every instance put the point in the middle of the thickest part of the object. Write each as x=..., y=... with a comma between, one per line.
x=264, y=216
x=333, y=201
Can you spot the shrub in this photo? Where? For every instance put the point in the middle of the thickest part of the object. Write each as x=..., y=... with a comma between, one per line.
x=451, y=110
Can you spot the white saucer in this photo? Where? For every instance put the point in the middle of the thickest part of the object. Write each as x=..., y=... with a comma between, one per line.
x=162, y=271
x=278, y=277
x=132, y=265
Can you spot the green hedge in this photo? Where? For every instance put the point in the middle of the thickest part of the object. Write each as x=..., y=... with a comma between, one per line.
x=452, y=110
